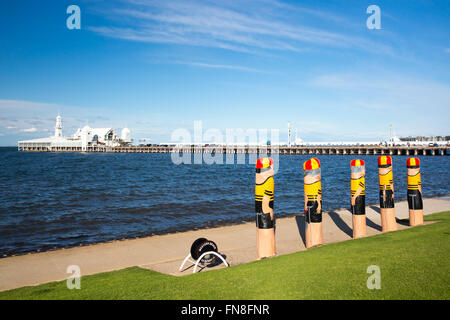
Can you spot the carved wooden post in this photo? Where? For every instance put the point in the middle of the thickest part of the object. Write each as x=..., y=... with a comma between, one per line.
x=313, y=202
x=264, y=189
x=358, y=197
x=415, y=203
x=387, y=206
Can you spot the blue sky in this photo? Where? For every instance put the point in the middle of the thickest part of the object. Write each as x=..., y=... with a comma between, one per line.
x=156, y=66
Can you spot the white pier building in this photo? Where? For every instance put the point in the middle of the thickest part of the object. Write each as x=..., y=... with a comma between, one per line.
x=85, y=139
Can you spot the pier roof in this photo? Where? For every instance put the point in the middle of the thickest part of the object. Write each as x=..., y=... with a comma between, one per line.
x=42, y=140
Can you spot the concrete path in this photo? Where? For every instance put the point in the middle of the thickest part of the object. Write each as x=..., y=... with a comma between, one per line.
x=165, y=253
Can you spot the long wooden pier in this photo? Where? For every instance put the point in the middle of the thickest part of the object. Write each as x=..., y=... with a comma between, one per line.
x=306, y=150
x=303, y=150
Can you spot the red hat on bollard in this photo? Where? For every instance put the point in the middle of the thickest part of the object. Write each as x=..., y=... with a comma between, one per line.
x=413, y=163
x=262, y=163
x=311, y=164
x=357, y=163
x=384, y=161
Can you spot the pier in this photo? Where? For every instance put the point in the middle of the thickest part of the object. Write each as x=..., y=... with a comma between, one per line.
x=106, y=140
x=284, y=150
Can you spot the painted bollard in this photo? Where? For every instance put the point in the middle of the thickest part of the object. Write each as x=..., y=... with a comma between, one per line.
x=358, y=197
x=313, y=202
x=414, y=193
x=387, y=206
x=264, y=189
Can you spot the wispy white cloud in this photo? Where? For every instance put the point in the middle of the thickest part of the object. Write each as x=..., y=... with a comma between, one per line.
x=23, y=105
x=142, y=122
x=212, y=24
x=220, y=66
x=30, y=130
x=386, y=84
x=31, y=117
x=447, y=50
x=22, y=119
x=324, y=15
x=417, y=105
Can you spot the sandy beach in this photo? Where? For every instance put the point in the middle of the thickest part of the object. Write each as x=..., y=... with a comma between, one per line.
x=166, y=252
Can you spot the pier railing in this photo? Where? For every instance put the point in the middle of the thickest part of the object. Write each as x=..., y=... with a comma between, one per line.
x=303, y=150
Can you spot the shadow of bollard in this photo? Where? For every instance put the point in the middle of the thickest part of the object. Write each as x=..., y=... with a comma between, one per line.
x=341, y=224
x=300, y=220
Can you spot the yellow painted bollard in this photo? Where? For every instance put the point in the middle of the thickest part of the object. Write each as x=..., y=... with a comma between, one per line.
x=387, y=206
x=358, y=197
x=313, y=202
x=264, y=196
x=414, y=193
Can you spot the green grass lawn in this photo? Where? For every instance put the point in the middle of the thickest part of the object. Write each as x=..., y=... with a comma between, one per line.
x=414, y=264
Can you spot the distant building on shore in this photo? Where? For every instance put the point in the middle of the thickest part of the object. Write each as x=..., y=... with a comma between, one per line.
x=429, y=139
x=84, y=138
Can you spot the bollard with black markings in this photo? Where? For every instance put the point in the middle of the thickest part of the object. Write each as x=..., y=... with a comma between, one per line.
x=414, y=193
x=313, y=202
x=264, y=197
x=358, y=197
x=387, y=205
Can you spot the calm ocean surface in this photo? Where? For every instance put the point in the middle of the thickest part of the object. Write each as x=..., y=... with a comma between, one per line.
x=54, y=200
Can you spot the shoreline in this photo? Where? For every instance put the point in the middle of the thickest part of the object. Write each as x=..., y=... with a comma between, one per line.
x=164, y=253
x=224, y=223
